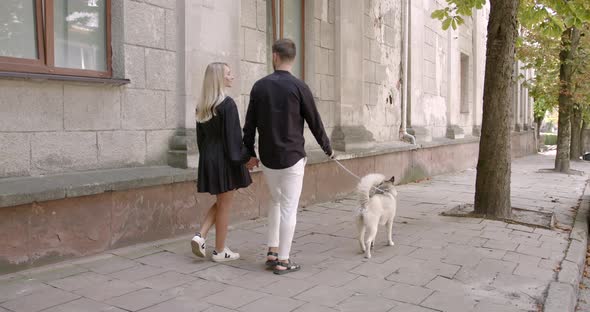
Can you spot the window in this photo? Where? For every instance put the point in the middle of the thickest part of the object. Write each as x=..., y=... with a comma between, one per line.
x=65, y=37
x=285, y=19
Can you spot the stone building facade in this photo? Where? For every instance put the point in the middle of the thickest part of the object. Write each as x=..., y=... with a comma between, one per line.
x=93, y=163
x=52, y=126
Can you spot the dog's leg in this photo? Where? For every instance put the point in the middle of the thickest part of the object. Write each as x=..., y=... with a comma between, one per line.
x=390, y=232
x=372, y=232
x=361, y=228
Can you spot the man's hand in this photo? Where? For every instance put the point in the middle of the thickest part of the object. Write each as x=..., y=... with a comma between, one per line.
x=253, y=162
x=332, y=156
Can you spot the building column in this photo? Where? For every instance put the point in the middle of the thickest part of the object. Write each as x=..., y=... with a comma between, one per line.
x=415, y=121
x=207, y=31
x=183, y=144
x=454, y=131
x=349, y=132
x=527, y=107
x=478, y=42
x=517, y=113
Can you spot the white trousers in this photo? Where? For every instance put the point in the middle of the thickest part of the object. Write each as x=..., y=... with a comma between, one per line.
x=285, y=189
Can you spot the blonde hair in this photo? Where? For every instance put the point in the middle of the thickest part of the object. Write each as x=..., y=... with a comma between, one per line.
x=213, y=92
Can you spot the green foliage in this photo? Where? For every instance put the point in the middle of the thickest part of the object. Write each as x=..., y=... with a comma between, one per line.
x=543, y=23
x=541, y=53
x=553, y=17
x=581, y=79
x=451, y=16
x=550, y=139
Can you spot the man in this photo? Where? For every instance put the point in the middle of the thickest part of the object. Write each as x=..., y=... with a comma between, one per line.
x=279, y=104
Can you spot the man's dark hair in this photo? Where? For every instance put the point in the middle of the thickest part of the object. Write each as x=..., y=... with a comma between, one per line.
x=285, y=48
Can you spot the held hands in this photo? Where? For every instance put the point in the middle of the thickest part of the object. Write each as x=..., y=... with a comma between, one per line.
x=252, y=163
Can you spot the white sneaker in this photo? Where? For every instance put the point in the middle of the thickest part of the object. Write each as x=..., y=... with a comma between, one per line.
x=198, y=246
x=225, y=255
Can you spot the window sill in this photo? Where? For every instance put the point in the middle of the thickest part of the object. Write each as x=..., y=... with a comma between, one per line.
x=33, y=76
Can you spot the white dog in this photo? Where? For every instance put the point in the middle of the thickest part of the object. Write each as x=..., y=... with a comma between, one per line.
x=378, y=203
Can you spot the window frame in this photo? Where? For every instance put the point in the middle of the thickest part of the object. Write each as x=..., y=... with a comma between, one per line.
x=282, y=26
x=45, y=62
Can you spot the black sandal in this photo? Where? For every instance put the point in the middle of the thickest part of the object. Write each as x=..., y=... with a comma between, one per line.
x=272, y=263
x=290, y=267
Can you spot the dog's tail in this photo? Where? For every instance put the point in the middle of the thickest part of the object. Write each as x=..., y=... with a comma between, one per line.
x=364, y=187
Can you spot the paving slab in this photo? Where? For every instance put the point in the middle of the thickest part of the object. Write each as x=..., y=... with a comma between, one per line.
x=39, y=300
x=234, y=297
x=218, y=309
x=19, y=286
x=165, y=280
x=583, y=303
x=108, y=290
x=311, y=307
x=407, y=293
x=83, y=305
x=138, y=272
x=53, y=272
x=80, y=281
x=272, y=304
x=179, y=304
x=446, y=301
x=325, y=295
x=367, y=303
x=140, y=299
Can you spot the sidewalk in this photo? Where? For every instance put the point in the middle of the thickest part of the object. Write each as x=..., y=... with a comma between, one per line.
x=437, y=264
x=584, y=296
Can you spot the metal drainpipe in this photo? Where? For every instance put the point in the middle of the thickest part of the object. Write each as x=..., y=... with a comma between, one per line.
x=404, y=135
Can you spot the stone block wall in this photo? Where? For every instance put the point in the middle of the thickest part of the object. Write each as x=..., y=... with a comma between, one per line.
x=49, y=126
x=436, y=73
x=382, y=52
x=165, y=45
x=428, y=69
x=464, y=56
x=320, y=54
x=254, y=49
x=256, y=59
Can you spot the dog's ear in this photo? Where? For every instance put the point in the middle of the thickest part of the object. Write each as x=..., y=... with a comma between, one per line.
x=392, y=179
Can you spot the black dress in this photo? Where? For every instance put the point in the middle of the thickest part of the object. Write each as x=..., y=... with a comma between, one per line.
x=222, y=154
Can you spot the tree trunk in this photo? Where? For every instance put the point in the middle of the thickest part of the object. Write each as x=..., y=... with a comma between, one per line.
x=569, y=44
x=576, y=142
x=492, y=185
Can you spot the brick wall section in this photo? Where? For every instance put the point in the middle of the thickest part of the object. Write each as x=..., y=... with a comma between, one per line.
x=50, y=126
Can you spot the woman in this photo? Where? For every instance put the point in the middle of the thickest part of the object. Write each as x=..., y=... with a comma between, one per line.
x=221, y=158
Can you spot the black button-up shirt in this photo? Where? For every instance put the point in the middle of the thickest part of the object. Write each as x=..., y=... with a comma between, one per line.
x=279, y=104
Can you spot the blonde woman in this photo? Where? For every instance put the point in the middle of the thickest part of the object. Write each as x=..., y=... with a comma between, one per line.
x=222, y=158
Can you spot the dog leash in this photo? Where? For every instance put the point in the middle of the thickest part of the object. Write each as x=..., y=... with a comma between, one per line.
x=354, y=175
x=346, y=169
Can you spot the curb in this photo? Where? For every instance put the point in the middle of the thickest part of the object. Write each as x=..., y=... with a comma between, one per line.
x=562, y=295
